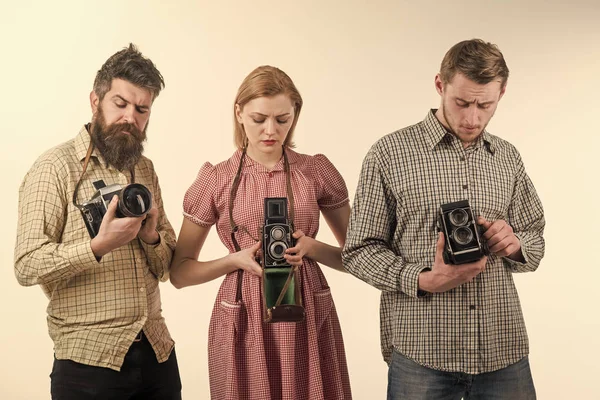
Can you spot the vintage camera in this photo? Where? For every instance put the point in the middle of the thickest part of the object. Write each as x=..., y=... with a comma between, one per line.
x=282, y=299
x=277, y=233
x=135, y=200
x=464, y=241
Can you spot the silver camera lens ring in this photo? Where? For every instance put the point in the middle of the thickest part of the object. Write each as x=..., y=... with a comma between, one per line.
x=462, y=235
x=458, y=217
x=277, y=233
x=274, y=252
x=135, y=200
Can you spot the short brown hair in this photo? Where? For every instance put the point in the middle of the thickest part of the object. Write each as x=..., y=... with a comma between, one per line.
x=479, y=61
x=265, y=81
x=130, y=65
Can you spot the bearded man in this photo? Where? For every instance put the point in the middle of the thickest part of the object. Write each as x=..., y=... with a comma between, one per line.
x=104, y=313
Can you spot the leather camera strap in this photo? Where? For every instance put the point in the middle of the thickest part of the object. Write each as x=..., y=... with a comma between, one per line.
x=86, y=161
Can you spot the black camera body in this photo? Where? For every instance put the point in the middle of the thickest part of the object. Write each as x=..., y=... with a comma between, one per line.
x=464, y=241
x=277, y=233
x=135, y=200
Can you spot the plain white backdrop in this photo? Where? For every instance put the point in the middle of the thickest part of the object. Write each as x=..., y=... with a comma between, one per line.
x=364, y=69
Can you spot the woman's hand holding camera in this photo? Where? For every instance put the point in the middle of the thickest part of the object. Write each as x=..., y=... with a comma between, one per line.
x=501, y=239
x=444, y=277
x=303, y=247
x=114, y=232
x=246, y=259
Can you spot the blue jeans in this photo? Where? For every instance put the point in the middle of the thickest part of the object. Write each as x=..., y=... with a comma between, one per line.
x=411, y=381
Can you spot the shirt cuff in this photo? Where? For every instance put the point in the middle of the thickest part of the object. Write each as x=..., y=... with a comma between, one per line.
x=409, y=280
x=156, y=253
x=82, y=257
x=518, y=265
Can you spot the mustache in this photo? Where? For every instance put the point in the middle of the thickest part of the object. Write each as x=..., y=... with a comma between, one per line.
x=116, y=129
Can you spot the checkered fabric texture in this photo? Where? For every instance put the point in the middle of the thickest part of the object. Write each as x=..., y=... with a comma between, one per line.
x=477, y=327
x=250, y=359
x=95, y=309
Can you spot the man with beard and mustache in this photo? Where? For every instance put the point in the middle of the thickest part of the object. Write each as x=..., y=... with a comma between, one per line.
x=449, y=331
x=104, y=316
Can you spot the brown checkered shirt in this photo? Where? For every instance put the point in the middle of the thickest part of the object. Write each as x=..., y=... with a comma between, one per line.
x=477, y=327
x=96, y=309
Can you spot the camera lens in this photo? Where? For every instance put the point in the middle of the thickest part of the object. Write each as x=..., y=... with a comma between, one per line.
x=277, y=233
x=277, y=250
x=458, y=217
x=135, y=200
x=462, y=235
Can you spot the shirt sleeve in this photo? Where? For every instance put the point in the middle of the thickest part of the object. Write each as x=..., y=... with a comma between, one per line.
x=199, y=200
x=368, y=253
x=159, y=255
x=331, y=189
x=40, y=258
x=526, y=217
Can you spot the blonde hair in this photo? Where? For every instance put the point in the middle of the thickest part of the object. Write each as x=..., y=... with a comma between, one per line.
x=265, y=81
x=482, y=62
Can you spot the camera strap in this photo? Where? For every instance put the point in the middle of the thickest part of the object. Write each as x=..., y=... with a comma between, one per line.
x=235, y=228
x=86, y=161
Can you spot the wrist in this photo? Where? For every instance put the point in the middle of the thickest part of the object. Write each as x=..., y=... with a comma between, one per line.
x=310, y=249
x=152, y=238
x=98, y=247
x=425, y=281
x=517, y=256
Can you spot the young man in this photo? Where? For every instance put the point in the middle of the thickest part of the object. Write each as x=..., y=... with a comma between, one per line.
x=104, y=316
x=449, y=331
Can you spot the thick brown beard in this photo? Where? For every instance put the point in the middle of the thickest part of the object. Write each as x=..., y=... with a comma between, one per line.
x=120, y=150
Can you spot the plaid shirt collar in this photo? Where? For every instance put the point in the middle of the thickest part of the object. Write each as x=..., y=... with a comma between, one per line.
x=436, y=133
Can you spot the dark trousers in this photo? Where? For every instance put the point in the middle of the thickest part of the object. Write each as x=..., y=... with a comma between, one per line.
x=141, y=377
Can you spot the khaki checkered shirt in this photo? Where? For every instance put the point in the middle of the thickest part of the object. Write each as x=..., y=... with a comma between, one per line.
x=477, y=327
x=96, y=308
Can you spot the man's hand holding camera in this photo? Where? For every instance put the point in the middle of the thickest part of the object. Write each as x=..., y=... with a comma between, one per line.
x=115, y=232
x=444, y=277
x=501, y=239
x=148, y=232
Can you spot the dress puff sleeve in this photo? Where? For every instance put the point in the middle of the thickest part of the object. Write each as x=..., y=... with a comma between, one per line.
x=332, y=192
x=199, y=200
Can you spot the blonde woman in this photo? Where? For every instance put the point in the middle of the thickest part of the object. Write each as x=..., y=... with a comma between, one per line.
x=248, y=357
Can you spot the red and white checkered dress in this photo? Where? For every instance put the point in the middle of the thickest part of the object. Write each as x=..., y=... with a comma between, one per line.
x=250, y=359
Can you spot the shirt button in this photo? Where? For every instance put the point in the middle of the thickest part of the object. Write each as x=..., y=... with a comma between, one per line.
x=472, y=307
x=142, y=289
x=270, y=174
x=465, y=186
x=462, y=158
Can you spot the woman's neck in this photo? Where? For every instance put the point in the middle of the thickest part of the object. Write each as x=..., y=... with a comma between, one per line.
x=267, y=160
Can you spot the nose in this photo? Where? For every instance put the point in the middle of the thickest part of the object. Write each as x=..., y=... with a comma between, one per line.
x=270, y=127
x=472, y=116
x=128, y=115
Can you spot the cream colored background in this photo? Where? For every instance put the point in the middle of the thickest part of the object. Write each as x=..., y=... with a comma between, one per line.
x=364, y=70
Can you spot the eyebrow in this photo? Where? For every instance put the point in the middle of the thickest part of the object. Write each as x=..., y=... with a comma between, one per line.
x=138, y=106
x=472, y=102
x=263, y=115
